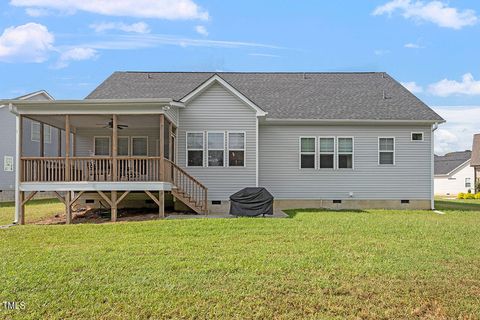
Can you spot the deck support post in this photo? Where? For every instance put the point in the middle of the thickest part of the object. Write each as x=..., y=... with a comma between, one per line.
x=68, y=207
x=114, y=206
x=21, y=218
x=161, y=204
x=161, y=151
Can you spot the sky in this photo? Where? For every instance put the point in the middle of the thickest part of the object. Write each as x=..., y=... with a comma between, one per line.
x=69, y=47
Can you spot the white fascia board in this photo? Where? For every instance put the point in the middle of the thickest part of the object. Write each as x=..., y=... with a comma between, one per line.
x=33, y=94
x=347, y=121
x=226, y=85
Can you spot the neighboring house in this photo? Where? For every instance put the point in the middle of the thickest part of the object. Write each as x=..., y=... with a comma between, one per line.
x=342, y=140
x=453, y=173
x=31, y=134
x=475, y=162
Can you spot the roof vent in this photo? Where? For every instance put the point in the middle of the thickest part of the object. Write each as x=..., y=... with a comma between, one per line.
x=150, y=76
x=385, y=97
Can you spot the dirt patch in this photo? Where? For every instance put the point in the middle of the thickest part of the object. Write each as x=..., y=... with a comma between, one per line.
x=103, y=216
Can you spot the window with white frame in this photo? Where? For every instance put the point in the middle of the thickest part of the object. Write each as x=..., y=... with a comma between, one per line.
x=468, y=183
x=417, y=136
x=345, y=153
x=327, y=152
x=195, y=149
x=102, y=146
x=307, y=152
x=386, y=150
x=35, y=132
x=236, y=149
x=139, y=146
x=123, y=146
x=216, y=149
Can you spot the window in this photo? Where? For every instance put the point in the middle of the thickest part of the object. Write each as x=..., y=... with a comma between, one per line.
x=216, y=149
x=123, y=146
x=386, y=150
x=417, y=136
x=102, y=146
x=139, y=146
x=194, y=149
x=327, y=153
x=307, y=152
x=345, y=153
x=35, y=132
x=468, y=183
x=236, y=149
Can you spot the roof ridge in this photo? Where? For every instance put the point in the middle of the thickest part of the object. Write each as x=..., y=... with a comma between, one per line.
x=260, y=72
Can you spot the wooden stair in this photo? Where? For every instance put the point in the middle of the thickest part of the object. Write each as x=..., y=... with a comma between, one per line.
x=186, y=188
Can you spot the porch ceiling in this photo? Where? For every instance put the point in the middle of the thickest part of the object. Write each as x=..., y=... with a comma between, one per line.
x=99, y=121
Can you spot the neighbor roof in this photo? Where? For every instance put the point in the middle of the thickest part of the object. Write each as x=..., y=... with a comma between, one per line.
x=332, y=96
x=476, y=150
x=451, y=161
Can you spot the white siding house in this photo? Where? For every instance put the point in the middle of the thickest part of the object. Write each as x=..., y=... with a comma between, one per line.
x=453, y=174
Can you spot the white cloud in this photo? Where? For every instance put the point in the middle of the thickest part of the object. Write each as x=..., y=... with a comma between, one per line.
x=411, y=45
x=457, y=133
x=75, y=54
x=445, y=87
x=161, y=9
x=36, y=12
x=31, y=42
x=201, y=30
x=436, y=12
x=139, y=27
x=412, y=86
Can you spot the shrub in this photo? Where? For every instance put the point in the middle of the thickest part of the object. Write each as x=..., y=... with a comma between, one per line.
x=477, y=196
x=469, y=196
x=461, y=195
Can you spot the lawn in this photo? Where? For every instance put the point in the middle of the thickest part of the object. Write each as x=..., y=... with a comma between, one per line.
x=357, y=265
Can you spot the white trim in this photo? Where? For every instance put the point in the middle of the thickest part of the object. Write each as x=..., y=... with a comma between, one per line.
x=128, y=145
x=109, y=146
x=94, y=186
x=307, y=153
x=348, y=121
x=334, y=152
x=432, y=166
x=208, y=149
x=256, y=152
x=36, y=93
x=216, y=78
x=244, y=148
x=417, y=132
x=131, y=147
x=339, y=153
x=187, y=149
x=393, y=151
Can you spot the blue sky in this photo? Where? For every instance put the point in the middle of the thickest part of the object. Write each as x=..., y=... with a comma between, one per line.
x=68, y=47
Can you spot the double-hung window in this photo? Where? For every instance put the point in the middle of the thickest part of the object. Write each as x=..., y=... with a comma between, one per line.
x=236, y=149
x=195, y=143
x=216, y=149
x=35, y=132
x=307, y=152
x=468, y=182
x=386, y=150
x=345, y=153
x=102, y=146
x=327, y=152
x=139, y=146
x=123, y=146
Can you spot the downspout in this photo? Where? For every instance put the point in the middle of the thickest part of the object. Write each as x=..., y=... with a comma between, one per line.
x=432, y=166
x=17, y=163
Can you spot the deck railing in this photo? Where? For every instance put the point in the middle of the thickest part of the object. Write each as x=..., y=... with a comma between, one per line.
x=91, y=169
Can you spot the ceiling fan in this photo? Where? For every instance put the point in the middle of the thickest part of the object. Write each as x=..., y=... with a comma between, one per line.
x=109, y=125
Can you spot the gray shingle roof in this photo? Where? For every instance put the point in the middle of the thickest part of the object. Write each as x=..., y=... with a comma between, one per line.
x=345, y=96
x=449, y=162
x=476, y=150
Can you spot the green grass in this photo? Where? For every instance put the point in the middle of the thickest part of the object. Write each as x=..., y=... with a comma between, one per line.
x=35, y=210
x=458, y=204
x=330, y=265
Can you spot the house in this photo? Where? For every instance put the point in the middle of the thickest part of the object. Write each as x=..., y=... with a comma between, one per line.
x=32, y=144
x=341, y=140
x=475, y=162
x=453, y=173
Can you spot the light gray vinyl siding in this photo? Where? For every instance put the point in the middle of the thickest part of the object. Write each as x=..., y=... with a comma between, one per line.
x=409, y=178
x=172, y=113
x=7, y=147
x=216, y=109
x=85, y=146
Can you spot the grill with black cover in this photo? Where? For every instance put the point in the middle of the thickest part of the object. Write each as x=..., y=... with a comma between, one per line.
x=251, y=202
